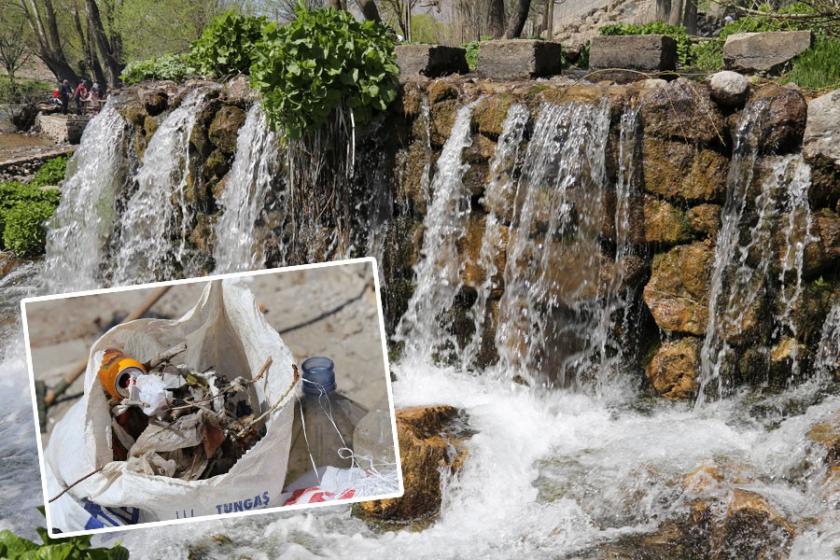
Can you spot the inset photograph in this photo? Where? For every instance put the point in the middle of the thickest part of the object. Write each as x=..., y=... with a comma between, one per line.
x=212, y=397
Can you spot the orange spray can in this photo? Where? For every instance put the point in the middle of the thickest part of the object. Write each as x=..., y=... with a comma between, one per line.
x=116, y=370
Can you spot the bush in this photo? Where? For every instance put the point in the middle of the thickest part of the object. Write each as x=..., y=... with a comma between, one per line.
x=176, y=67
x=472, y=54
x=51, y=173
x=677, y=32
x=13, y=547
x=16, y=196
x=24, y=230
x=818, y=67
x=322, y=61
x=227, y=45
x=708, y=55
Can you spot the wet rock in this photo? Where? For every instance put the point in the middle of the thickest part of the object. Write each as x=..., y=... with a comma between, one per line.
x=764, y=52
x=519, y=59
x=442, y=90
x=678, y=290
x=412, y=165
x=752, y=528
x=23, y=116
x=150, y=126
x=216, y=165
x=237, y=91
x=430, y=60
x=664, y=223
x=202, y=234
x=411, y=97
x=442, y=120
x=782, y=128
x=704, y=220
x=821, y=148
x=154, y=99
x=8, y=262
x=824, y=252
x=826, y=434
x=133, y=111
x=729, y=88
x=674, y=368
x=680, y=171
x=469, y=247
x=224, y=128
x=637, y=52
x=426, y=452
x=490, y=113
x=682, y=110
x=783, y=357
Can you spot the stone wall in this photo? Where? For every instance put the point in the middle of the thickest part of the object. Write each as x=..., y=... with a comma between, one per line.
x=686, y=144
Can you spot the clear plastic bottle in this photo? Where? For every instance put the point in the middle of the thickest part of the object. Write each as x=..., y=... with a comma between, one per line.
x=373, y=441
x=329, y=419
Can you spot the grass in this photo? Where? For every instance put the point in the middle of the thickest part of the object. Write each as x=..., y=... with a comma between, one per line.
x=817, y=68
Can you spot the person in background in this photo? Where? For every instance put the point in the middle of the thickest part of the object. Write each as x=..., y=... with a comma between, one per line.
x=79, y=95
x=94, y=97
x=65, y=91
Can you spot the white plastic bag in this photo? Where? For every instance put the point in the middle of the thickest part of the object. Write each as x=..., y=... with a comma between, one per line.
x=225, y=331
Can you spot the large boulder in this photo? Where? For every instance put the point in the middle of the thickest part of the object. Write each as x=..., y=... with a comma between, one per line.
x=224, y=129
x=425, y=453
x=682, y=110
x=673, y=370
x=826, y=434
x=430, y=61
x=764, y=52
x=821, y=147
x=23, y=116
x=704, y=220
x=729, y=88
x=154, y=99
x=782, y=125
x=677, y=293
x=823, y=253
x=680, y=171
x=519, y=59
x=237, y=91
x=635, y=52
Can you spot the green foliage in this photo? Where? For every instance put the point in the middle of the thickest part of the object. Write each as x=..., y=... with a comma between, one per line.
x=51, y=173
x=24, y=231
x=13, y=547
x=227, y=45
x=322, y=61
x=677, y=32
x=21, y=208
x=818, y=67
x=472, y=54
x=25, y=90
x=708, y=55
x=175, y=67
x=426, y=28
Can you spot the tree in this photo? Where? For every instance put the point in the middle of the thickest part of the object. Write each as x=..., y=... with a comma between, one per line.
x=496, y=18
x=41, y=18
x=13, y=52
x=108, y=45
x=518, y=19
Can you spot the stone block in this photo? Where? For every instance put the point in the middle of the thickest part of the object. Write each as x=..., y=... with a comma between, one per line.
x=519, y=59
x=634, y=52
x=431, y=61
x=764, y=52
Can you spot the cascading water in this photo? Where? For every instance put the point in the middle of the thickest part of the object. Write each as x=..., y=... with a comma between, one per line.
x=254, y=172
x=745, y=255
x=78, y=233
x=438, y=269
x=827, y=356
x=546, y=309
x=153, y=232
x=500, y=187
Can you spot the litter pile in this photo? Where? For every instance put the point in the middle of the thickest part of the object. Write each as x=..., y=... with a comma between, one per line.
x=168, y=419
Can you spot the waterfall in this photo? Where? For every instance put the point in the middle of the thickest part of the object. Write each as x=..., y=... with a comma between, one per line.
x=745, y=254
x=78, y=232
x=827, y=357
x=423, y=326
x=500, y=187
x=253, y=173
x=555, y=266
x=154, y=226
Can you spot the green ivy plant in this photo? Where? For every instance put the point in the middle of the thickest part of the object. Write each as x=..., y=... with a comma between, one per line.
x=13, y=547
x=227, y=45
x=322, y=61
x=472, y=49
x=176, y=67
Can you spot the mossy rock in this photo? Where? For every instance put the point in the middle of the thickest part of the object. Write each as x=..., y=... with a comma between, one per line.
x=681, y=171
x=442, y=90
x=665, y=224
x=224, y=129
x=490, y=113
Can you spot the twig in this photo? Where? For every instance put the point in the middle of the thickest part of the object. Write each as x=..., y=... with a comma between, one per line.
x=276, y=405
x=165, y=355
x=262, y=371
x=87, y=476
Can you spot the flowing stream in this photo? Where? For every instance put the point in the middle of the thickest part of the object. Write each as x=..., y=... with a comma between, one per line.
x=555, y=469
